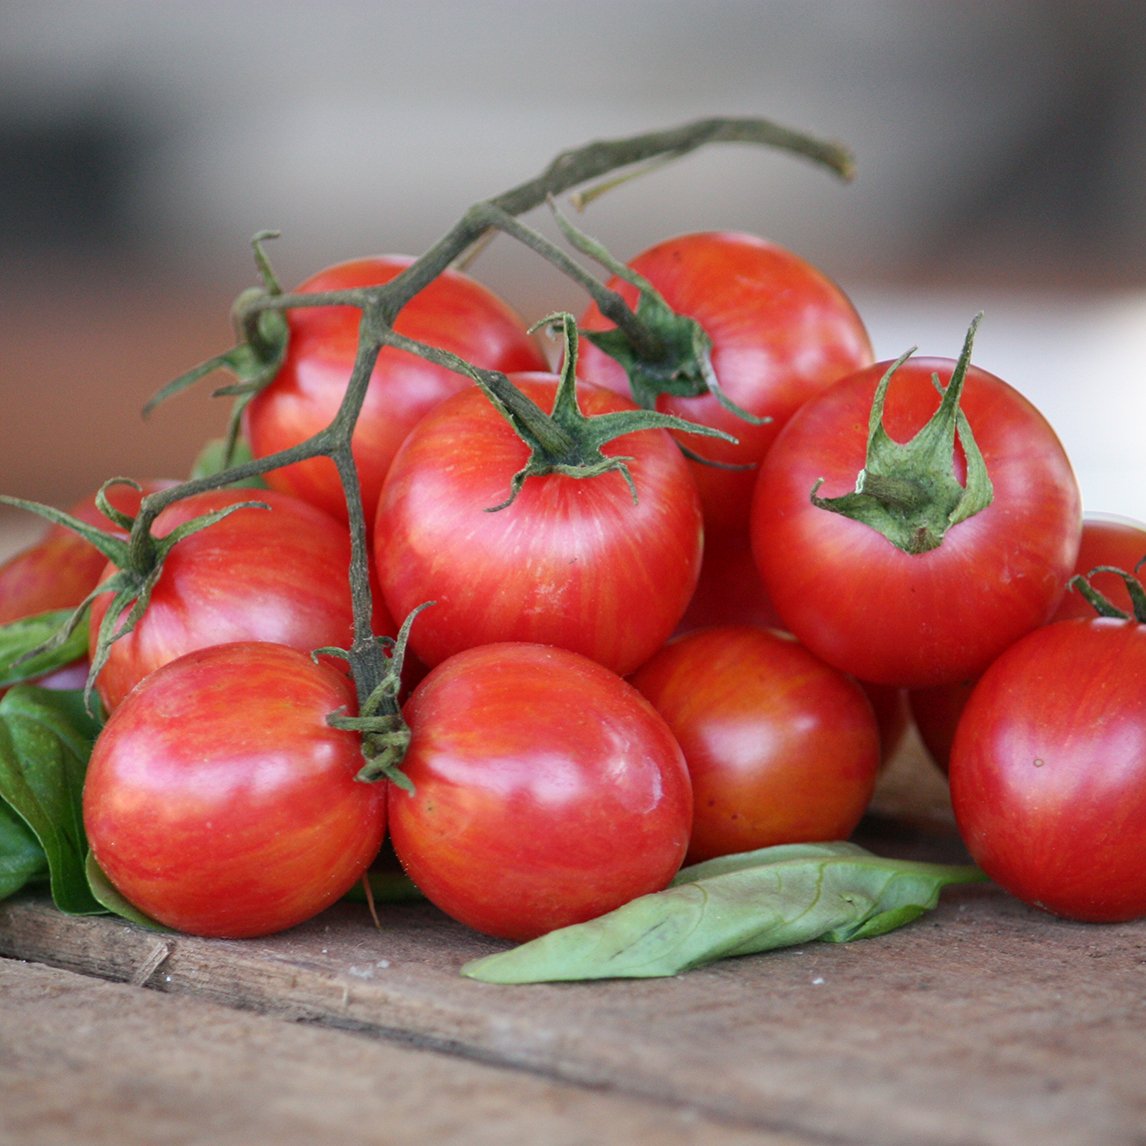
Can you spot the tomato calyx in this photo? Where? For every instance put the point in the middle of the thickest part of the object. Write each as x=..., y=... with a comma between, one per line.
x=909, y=491
x=385, y=733
x=568, y=441
x=1102, y=604
x=138, y=558
x=661, y=351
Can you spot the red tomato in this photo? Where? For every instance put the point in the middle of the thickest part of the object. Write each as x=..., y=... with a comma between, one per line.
x=547, y=791
x=780, y=332
x=454, y=313
x=1048, y=770
x=780, y=747
x=915, y=619
x=219, y=801
x=1106, y=540
x=277, y=574
x=571, y=562
x=61, y=568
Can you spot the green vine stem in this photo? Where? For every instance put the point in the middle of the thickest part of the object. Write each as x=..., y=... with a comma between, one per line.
x=258, y=320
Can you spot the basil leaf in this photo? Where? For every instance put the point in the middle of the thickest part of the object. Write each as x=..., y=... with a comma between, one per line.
x=736, y=905
x=27, y=635
x=45, y=741
x=107, y=896
x=22, y=860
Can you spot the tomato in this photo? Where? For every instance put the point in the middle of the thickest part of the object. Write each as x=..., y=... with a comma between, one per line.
x=218, y=800
x=1106, y=540
x=915, y=619
x=1048, y=770
x=454, y=313
x=780, y=747
x=573, y=561
x=730, y=592
x=61, y=568
x=547, y=791
x=780, y=332
x=279, y=574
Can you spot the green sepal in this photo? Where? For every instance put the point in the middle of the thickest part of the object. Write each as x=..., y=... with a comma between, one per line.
x=1102, y=605
x=737, y=905
x=908, y=491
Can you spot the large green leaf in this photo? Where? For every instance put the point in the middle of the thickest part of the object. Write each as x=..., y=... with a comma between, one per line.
x=736, y=905
x=45, y=741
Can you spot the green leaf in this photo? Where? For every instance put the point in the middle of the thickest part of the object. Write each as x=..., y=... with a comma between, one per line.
x=737, y=905
x=106, y=896
x=45, y=741
x=27, y=650
x=22, y=860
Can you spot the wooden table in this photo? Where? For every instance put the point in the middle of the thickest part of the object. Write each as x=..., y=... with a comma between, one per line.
x=983, y=1022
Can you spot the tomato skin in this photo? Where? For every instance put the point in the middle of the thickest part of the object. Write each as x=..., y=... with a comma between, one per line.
x=547, y=791
x=572, y=562
x=61, y=568
x=780, y=331
x=1048, y=770
x=277, y=574
x=218, y=800
x=780, y=747
x=454, y=312
x=886, y=616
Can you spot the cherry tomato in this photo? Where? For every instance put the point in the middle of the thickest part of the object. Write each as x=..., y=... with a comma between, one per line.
x=61, y=568
x=454, y=313
x=780, y=332
x=547, y=790
x=915, y=619
x=573, y=561
x=279, y=574
x=218, y=800
x=1048, y=770
x=1106, y=540
x=780, y=747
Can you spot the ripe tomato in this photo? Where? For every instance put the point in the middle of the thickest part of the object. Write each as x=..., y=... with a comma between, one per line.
x=547, y=791
x=61, y=568
x=780, y=332
x=571, y=562
x=1048, y=770
x=781, y=748
x=277, y=574
x=454, y=313
x=1106, y=540
x=219, y=801
x=915, y=619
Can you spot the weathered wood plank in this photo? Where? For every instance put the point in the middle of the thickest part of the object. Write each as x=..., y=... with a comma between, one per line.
x=984, y=1022
x=103, y=1064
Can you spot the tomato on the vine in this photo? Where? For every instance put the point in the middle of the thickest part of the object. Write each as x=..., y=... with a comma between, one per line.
x=220, y=802
x=453, y=313
x=572, y=561
x=781, y=748
x=546, y=790
x=905, y=574
x=277, y=574
x=1048, y=769
x=780, y=331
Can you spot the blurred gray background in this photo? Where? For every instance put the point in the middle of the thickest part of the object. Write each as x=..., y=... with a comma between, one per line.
x=1000, y=146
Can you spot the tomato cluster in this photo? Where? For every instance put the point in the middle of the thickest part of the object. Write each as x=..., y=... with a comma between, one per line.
x=626, y=646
